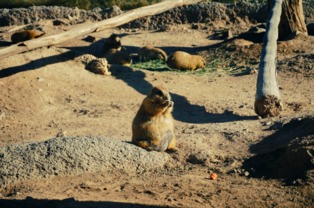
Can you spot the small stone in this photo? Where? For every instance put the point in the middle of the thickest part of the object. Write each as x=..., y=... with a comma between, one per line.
x=61, y=134
x=2, y=115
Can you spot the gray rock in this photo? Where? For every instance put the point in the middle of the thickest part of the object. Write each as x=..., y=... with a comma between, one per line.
x=72, y=156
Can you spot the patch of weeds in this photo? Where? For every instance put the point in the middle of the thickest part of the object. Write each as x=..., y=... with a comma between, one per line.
x=213, y=65
x=153, y=65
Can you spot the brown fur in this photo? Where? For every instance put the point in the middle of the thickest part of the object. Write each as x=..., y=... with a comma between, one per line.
x=185, y=61
x=98, y=66
x=26, y=35
x=113, y=42
x=148, y=53
x=114, y=56
x=153, y=127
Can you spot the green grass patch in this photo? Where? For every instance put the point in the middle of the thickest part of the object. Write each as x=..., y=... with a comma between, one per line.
x=212, y=66
x=153, y=65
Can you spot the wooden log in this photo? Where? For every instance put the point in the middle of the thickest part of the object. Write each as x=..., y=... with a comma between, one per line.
x=292, y=19
x=87, y=28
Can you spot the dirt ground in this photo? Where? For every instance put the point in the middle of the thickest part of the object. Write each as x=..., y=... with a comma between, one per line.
x=45, y=93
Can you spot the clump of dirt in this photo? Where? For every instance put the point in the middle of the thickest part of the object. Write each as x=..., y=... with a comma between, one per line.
x=72, y=156
x=242, y=54
x=204, y=12
x=302, y=65
x=21, y=16
x=288, y=153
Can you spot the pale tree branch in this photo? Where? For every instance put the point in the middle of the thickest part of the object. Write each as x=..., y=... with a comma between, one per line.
x=267, y=100
x=87, y=28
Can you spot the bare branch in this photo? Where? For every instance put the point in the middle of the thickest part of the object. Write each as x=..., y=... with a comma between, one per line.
x=87, y=28
x=267, y=101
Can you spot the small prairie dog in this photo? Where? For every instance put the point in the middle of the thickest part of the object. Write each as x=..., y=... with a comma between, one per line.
x=185, y=61
x=148, y=53
x=152, y=127
x=115, y=56
x=113, y=42
x=26, y=35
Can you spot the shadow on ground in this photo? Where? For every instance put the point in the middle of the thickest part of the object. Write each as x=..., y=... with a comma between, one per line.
x=67, y=203
x=183, y=111
x=286, y=154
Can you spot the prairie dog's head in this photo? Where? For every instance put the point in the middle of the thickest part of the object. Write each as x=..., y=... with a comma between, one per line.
x=160, y=96
x=113, y=42
x=158, y=101
x=162, y=55
x=201, y=63
x=115, y=38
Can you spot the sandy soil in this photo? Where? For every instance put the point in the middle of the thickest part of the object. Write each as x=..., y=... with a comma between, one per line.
x=46, y=93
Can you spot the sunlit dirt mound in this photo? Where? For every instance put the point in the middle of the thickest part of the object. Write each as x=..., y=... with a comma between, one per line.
x=72, y=156
x=298, y=65
x=243, y=52
x=287, y=154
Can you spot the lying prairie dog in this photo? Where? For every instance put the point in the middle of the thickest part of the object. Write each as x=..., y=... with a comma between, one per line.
x=98, y=66
x=115, y=56
x=25, y=35
x=185, y=61
x=149, y=52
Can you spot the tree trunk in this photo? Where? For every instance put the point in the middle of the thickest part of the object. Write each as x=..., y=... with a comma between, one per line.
x=87, y=28
x=267, y=100
x=292, y=19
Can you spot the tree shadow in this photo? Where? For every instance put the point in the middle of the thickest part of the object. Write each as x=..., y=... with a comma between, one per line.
x=189, y=113
x=5, y=43
x=35, y=64
x=95, y=48
x=183, y=110
x=30, y=202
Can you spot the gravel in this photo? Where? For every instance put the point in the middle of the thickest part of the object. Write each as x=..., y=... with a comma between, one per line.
x=72, y=156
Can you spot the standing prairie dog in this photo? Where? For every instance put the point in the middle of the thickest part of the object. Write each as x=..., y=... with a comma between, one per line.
x=153, y=127
x=185, y=61
x=148, y=53
x=26, y=35
x=113, y=42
